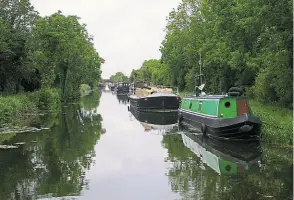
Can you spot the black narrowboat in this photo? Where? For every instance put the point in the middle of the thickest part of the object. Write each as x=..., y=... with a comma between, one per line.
x=146, y=98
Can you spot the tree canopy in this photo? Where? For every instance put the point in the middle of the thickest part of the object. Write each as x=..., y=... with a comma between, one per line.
x=119, y=77
x=42, y=52
x=241, y=43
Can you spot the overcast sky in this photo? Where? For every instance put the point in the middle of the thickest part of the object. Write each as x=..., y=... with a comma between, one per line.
x=126, y=32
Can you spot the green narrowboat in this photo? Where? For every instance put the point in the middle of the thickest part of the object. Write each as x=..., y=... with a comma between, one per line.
x=221, y=116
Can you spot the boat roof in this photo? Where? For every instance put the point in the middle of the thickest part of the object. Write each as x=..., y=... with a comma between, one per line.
x=158, y=94
x=205, y=97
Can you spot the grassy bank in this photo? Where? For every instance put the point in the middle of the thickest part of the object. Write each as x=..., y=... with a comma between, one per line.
x=277, y=122
x=20, y=108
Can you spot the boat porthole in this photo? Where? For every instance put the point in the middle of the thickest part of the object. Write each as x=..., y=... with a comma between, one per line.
x=228, y=168
x=227, y=104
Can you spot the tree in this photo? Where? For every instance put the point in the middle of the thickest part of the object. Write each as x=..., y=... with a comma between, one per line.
x=62, y=51
x=119, y=77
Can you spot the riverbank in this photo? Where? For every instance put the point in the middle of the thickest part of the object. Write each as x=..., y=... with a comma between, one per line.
x=277, y=122
x=21, y=109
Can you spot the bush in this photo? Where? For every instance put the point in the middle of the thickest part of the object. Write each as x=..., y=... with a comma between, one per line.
x=18, y=107
x=48, y=99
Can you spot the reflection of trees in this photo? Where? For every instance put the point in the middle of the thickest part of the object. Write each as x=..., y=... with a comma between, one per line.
x=57, y=163
x=193, y=180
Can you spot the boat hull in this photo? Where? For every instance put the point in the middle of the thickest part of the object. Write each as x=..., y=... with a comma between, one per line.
x=241, y=127
x=154, y=102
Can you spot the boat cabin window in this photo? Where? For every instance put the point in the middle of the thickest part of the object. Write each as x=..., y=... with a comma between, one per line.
x=190, y=105
x=200, y=106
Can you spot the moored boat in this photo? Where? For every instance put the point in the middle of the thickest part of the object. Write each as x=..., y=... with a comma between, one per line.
x=112, y=88
x=146, y=98
x=221, y=116
x=123, y=88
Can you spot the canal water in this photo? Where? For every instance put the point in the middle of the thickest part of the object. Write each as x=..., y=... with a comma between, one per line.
x=97, y=149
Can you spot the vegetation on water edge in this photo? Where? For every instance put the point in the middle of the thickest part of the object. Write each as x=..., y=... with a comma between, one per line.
x=20, y=108
x=277, y=122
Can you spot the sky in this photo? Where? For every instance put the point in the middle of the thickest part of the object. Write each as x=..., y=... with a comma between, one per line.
x=126, y=32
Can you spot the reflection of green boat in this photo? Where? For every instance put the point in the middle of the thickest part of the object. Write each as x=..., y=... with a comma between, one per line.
x=225, y=158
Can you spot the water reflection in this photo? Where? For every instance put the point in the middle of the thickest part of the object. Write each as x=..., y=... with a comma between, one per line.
x=225, y=158
x=203, y=168
x=53, y=162
x=164, y=122
x=122, y=99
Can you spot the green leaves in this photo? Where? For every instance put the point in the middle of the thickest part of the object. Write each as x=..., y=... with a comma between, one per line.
x=53, y=51
x=119, y=77
x=236, y=39
x=63, y=52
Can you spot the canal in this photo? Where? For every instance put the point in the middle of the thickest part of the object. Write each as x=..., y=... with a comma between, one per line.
x=97, y=149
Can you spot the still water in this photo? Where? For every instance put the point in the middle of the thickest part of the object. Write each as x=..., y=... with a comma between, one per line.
x=97, y=149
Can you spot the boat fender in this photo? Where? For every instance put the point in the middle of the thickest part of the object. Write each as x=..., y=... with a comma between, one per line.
x=128, y=108
x=246, y=116
x=203, y=129
x=180, y=118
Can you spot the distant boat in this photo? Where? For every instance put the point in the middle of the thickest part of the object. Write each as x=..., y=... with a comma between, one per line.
x=160, y=98
x=106, y=88
x=123, y=88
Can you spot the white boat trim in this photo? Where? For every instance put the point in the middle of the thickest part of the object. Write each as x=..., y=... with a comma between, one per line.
x=198, y=114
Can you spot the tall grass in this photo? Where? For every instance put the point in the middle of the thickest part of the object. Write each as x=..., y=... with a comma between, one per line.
x=277, y=122
x=19, y=107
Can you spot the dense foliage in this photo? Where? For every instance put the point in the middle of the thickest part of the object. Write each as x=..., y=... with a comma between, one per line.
x=241, y=43
x=44, y=52
x=119, y=77
x=152, y=71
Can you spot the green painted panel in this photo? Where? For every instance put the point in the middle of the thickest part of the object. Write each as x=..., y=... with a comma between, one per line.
x=229, y=111
x=208, y=107
x=227, y=167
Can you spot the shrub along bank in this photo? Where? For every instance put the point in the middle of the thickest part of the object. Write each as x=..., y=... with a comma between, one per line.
x=15, y=108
